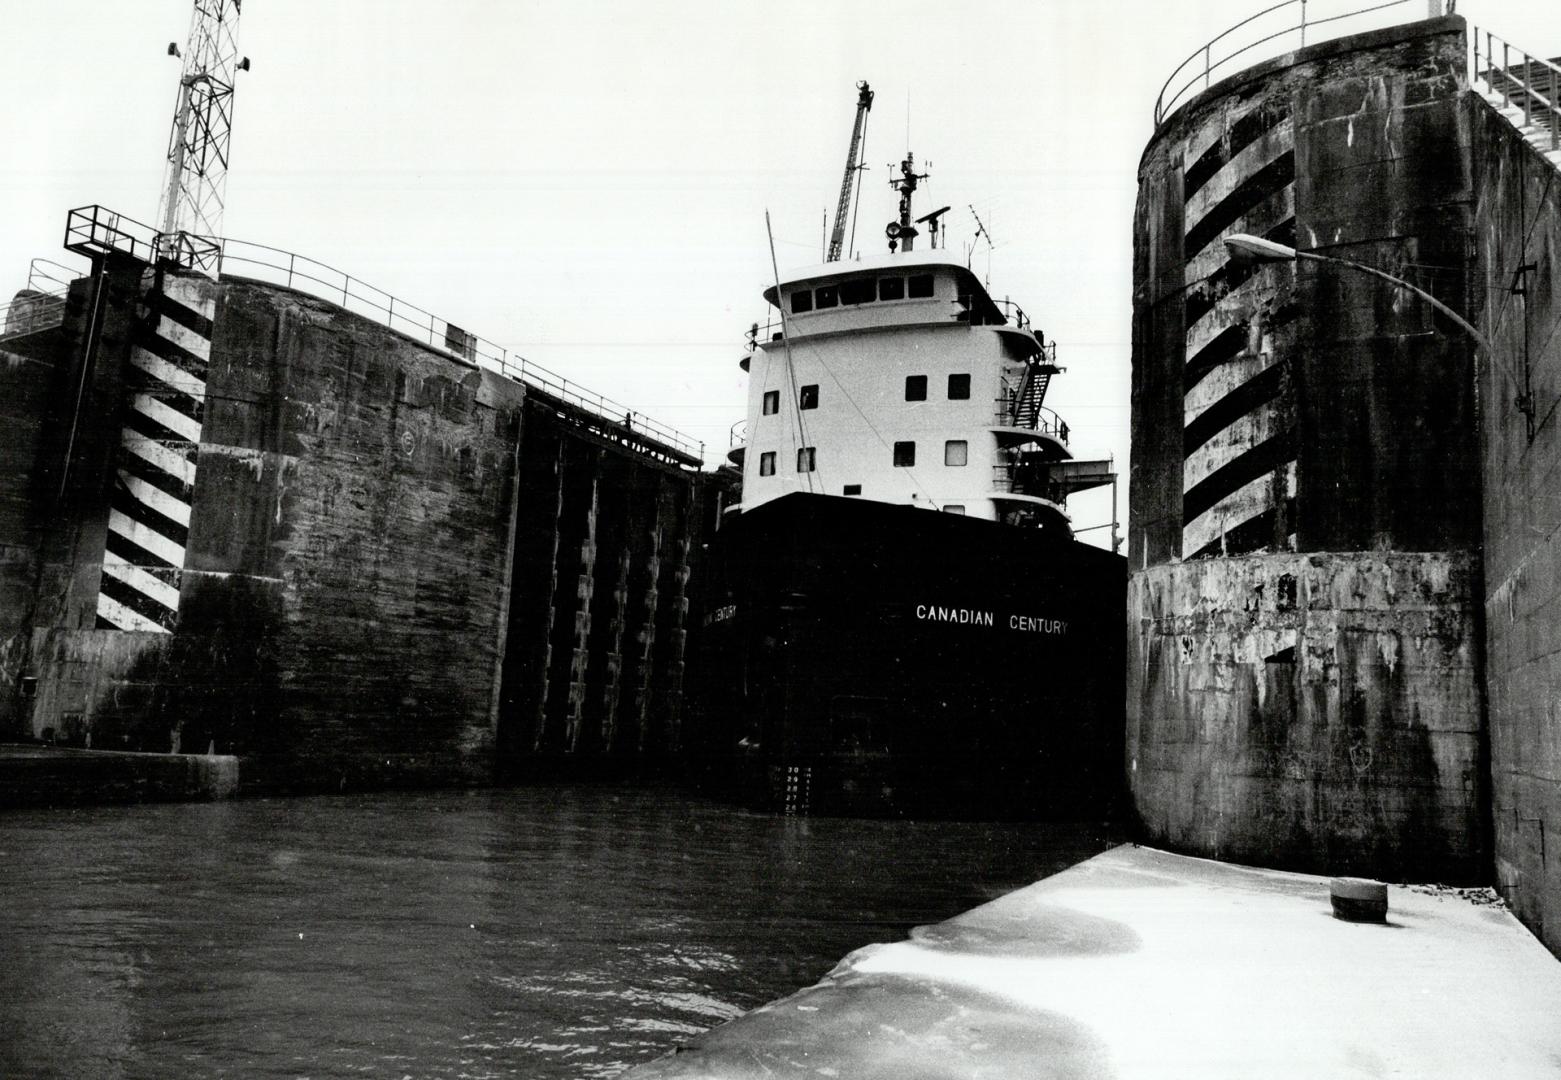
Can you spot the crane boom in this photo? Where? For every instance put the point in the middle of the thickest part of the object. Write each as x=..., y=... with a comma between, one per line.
x=864, y=102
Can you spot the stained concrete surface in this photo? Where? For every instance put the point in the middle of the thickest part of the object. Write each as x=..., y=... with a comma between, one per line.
x=32, y=775
x=1140, y=963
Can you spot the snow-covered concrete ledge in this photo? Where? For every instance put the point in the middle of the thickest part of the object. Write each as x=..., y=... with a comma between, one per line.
x=1139, y=963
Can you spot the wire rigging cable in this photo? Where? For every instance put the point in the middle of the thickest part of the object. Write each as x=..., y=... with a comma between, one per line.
x=791, y=367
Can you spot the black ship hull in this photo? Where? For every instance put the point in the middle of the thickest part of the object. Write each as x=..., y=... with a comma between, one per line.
x=868, y=659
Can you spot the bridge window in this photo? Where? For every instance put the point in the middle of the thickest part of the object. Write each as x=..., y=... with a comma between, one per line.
x=826, y=296
x=767, y=463
x=959, y=387
x=807, y=398
x=806, y=458
x=771, y=402
x=915, y=388
x=956, y=452
x=921, y=285
x=857, y=291
x=852, y=489
x=801, y=300
x=891, y=288
x=904, y=454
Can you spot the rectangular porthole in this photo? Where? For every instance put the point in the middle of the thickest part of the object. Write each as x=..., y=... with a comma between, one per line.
x=915, y=388
x=852, y=489
x=771, y=402
x=807, y=458
x=954, y=508
x=959, y=387
x=904, y=455
x=807, y=398
x=956, y=452
x=767, y=463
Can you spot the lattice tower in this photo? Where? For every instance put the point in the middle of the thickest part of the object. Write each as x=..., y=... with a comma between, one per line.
x=190, y=213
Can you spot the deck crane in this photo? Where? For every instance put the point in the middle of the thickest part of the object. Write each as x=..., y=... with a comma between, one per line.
x=189, y=215
x=864, y=103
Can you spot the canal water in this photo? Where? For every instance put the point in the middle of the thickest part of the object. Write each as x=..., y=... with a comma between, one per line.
x=532, y=932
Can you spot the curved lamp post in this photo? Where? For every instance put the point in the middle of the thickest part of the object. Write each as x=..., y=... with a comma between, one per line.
x=1245, y=247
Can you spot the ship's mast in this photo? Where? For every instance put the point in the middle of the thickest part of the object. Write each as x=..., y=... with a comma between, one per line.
x=864, y=103
x=189, y=215
x=902, y=231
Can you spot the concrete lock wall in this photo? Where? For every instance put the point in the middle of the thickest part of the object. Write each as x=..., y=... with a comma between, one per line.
x=605, y=543
x=1518, y=224
x=1303, y=635
x=333, y=609
x=290, y=534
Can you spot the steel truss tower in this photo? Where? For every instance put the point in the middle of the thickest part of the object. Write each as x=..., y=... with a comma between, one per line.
x=190, y=214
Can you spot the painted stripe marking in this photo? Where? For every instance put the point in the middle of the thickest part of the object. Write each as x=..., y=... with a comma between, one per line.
x=172, y=374
x=1252, y=192
x=142, y=537
x=159, y=454
x=186, y=339
x=1250, y=159
x=141, y=581
x=1253, y=462
x=122, y=618
x=167, y=416
x=171, y=508
x=1231, y=512
x=1227, y=444
x=1227, y=386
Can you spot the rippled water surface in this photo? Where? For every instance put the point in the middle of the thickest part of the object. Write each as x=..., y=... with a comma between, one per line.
x=533, y=932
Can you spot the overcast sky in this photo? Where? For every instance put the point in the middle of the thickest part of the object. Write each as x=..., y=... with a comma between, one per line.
x=586, y=182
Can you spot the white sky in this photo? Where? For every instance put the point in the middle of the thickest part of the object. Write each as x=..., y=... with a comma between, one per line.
x=586, y=181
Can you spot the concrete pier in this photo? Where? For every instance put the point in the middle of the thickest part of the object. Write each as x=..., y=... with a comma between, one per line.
x=1139, y=963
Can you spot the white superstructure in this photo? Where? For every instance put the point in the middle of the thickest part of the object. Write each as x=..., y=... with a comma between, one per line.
x=898, y=379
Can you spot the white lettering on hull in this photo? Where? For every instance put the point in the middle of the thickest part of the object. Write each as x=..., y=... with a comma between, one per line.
x=1035, y=625
x=967, y=616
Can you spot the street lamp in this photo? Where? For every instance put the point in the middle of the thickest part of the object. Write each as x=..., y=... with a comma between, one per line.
x=1245, y=247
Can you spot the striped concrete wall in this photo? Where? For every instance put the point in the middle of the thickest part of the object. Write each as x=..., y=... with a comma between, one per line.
x=149, y=514
x=1239, y=452
x=1302, y=654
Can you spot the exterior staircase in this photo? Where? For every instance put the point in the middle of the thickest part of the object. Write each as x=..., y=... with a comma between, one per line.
x=1032, y=391
x=1525, y=89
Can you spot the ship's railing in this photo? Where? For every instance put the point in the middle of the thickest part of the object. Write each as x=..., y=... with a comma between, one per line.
x=1046, y=421
x=773, y=329
x=1530, y=82
x=92, y=229
x=41, y=304
x=1281, y=27
x=1013, y=314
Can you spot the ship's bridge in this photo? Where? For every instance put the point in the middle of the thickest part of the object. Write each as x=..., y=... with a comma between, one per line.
x=890, y=291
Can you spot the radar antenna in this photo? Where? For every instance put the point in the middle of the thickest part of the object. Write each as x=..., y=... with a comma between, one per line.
x=189, y=214
x=864, y=104
x=931, y=221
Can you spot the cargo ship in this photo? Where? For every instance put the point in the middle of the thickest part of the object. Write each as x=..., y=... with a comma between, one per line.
x=895, y=615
